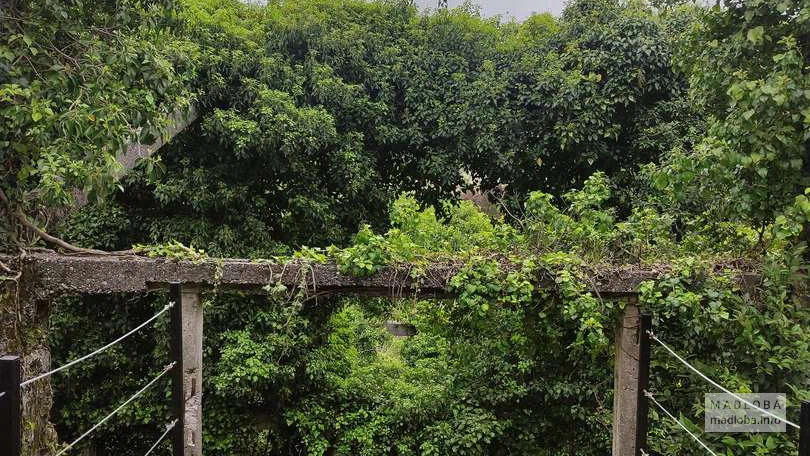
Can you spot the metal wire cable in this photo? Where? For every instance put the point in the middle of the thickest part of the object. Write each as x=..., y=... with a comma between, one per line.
x=715, y=384
x=103, y=420
x=160, y=439
x=694, y=437
x=90, y=355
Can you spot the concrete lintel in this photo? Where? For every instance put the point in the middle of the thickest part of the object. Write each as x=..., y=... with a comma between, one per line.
x=50, y=275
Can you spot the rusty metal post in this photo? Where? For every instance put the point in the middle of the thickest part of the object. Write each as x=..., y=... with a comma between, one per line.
x=642, y=420
x=804, y=432
x=10, y=406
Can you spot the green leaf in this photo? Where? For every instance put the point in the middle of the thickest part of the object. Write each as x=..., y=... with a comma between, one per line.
x=756, y=34
x=661, y=181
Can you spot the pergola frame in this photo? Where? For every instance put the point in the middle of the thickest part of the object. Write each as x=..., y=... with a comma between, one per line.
x=47, y=276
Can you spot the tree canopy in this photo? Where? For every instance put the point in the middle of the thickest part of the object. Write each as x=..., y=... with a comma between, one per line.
x=327, y=111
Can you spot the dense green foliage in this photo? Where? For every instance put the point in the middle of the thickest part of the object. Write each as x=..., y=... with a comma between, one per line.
x=350, y=104
x=618, y=133
x=325, y=112
x=748, y=69
x=78, y=81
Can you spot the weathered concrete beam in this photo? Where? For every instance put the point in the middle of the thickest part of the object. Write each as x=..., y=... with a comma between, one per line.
x=181, y=119
x=49, y=275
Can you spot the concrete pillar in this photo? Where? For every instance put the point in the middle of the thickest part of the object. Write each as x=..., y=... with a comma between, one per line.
x=626, y=382
x=191, y=301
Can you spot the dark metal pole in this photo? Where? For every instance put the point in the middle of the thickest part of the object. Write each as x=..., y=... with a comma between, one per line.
x=642, y=420
x=176, y=354
x=804, y=432
x=10, y=406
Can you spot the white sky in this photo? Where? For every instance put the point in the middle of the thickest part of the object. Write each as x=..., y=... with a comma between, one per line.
x=520, y=9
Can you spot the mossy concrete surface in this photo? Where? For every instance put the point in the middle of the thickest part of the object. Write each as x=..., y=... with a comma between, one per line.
x=23, y=332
